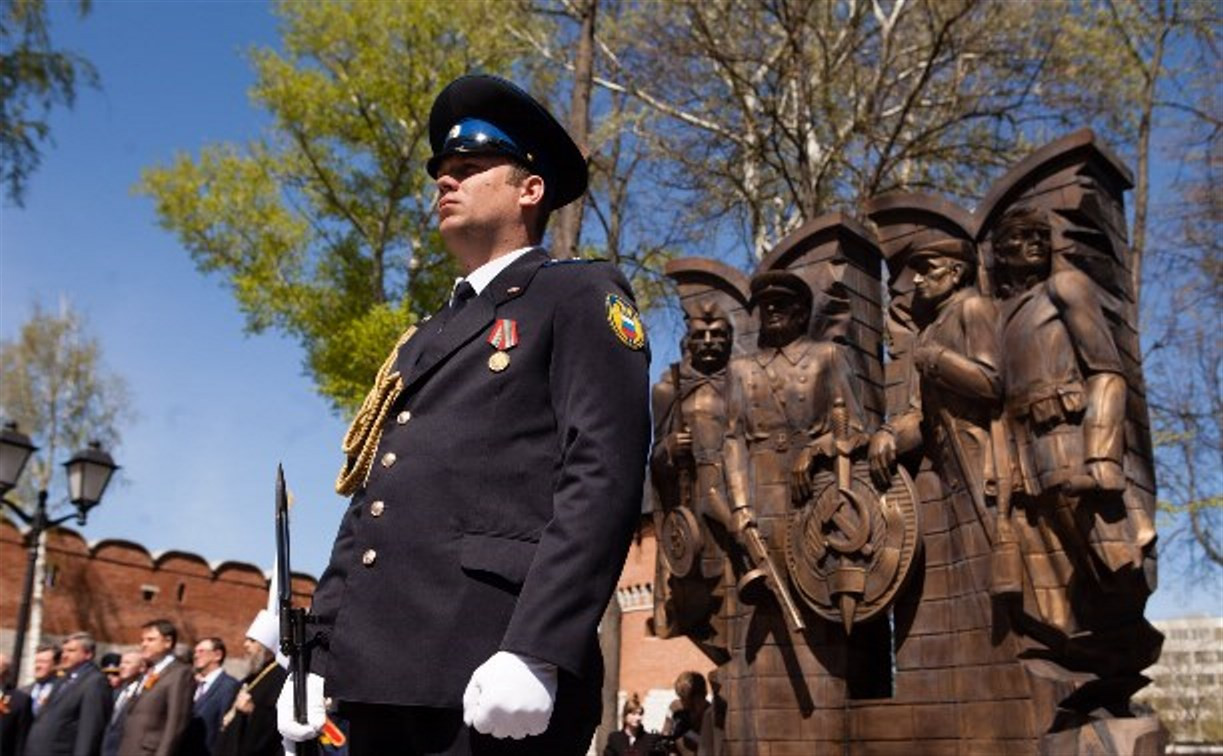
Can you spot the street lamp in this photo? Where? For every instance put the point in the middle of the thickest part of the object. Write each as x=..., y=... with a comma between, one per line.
x=89, y=471
x=15, y=451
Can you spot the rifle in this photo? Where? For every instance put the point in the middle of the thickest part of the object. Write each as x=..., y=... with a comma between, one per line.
x=763, y=567
x=967, y=474
x=293, y=621
x=685, y=474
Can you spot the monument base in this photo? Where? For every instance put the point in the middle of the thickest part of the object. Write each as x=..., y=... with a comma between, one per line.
x=1139, y=736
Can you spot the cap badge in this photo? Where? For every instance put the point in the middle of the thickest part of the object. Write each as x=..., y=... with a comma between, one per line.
x=625, y=322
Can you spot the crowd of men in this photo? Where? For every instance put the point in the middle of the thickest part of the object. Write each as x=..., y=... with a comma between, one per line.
x=150, y=701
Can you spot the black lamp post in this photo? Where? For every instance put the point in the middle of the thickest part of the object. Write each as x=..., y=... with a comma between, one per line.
x=89, y=471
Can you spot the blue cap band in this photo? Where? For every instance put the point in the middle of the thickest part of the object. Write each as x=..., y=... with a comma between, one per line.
x=476, y=135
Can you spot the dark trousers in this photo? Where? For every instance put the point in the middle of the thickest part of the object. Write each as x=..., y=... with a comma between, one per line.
x=384, y=730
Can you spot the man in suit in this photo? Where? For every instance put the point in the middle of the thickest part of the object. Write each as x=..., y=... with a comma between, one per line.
x=157, y=717
x=15, y=714
x=70, y=722
x=214, y=692
x=496, y=469
x=46, y=675
x=131, y=670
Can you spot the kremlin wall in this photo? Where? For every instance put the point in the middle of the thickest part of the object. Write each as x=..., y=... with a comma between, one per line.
x=111, y=587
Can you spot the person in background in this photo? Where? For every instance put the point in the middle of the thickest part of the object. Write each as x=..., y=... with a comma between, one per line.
x=109, y=664
x=249, y=727
x=46, y=674
x=214, y=694
x=15, y=714
x=131, y=670
x=631, y=739
x=73, y=717
x=157, y=718
x=687, y=713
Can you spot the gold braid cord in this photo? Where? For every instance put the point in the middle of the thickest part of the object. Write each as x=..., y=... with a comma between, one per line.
x=361, y=440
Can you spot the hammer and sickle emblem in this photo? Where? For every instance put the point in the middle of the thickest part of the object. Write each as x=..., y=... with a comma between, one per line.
x=850, y=548
x=853, y=530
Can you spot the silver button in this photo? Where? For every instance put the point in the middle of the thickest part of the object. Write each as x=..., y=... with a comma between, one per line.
x=388, y=459
x=403, y=417
x=376, y=508
x=369, y=557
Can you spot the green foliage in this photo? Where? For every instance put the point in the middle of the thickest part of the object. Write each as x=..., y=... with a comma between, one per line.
x=342, y=363
x=323, y=229
x=55, y=386
x=34, y=78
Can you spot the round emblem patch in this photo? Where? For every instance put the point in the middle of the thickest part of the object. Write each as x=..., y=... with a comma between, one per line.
x=625, y=322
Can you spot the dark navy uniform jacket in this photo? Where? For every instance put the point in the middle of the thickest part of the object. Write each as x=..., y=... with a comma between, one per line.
x=500, y=505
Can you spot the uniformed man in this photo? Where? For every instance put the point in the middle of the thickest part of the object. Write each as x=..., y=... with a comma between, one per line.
x=496, y=469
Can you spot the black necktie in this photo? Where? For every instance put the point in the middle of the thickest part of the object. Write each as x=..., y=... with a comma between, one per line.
x=463, y=293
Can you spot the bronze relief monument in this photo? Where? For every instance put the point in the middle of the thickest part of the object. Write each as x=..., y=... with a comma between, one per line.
x=903, y=476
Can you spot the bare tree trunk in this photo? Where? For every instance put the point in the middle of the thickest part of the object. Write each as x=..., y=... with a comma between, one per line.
x=567, y=229
x=609, y=640
x=33, y=636
x=1143, y=190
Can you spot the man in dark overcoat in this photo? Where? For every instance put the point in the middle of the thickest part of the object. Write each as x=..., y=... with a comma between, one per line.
x=71, y=721
x=496, y=469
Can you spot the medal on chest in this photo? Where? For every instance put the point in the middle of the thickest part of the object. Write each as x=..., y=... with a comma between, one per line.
x=503, y=337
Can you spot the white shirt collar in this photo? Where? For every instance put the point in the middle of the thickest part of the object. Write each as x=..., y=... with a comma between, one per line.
x=161, y=665
x=482, y=276
x=211, y=677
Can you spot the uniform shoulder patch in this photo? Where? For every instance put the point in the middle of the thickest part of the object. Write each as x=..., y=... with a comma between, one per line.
x=567, y=261
x=625, y=322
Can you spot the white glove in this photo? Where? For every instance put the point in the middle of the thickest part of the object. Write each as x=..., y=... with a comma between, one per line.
x=510, y=696
x=316, y=710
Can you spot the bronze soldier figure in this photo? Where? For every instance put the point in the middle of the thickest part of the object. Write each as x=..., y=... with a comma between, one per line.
x=955, y=384
x=686, y=463
x=1083, y=547
x=954, y=387
x=780, y=424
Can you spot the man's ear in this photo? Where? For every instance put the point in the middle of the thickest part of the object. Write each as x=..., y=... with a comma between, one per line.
x=531, y=191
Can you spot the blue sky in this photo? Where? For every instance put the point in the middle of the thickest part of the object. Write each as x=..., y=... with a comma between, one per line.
x=217, y=409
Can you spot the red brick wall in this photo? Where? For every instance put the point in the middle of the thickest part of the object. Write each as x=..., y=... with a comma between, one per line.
x=103, y=588
x=646, y=661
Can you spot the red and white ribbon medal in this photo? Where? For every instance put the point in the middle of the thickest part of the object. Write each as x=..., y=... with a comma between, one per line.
x=503, y=337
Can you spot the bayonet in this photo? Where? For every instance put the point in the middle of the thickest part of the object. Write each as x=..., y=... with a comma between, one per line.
x=292, y=620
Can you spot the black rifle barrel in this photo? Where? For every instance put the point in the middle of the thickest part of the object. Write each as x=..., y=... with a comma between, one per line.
x=292, y=621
